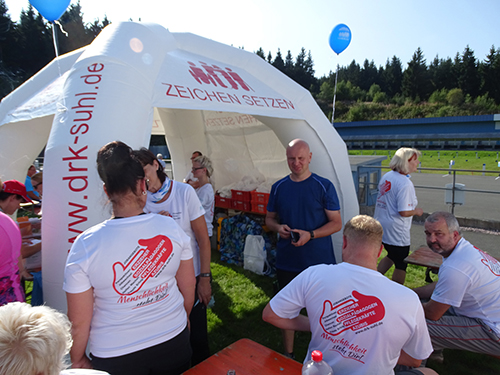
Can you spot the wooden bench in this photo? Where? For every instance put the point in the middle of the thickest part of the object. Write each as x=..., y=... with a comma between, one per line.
x=247, y=357
x=425, y=257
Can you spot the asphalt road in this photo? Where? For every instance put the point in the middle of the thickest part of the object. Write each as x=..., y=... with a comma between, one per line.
x=478, y=205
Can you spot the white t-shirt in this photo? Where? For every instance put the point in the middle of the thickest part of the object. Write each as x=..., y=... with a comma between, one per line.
x=207, y=199
x=184, y=206
x=360, y=320
x=469, y=280
x=131, y=264
x=395, y=193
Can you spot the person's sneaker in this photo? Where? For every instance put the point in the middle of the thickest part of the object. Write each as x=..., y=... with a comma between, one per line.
x=437, y=356
x=289, y=355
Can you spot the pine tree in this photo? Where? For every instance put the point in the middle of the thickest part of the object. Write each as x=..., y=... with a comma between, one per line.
x=278, y=62
x=303, y=70
x=260, y=53
x=269, y=57
x=368, y=75
x=392, y=77
x=77, y=33
x=350, y=74
x=289, y=64
x=8, y=77
x=416, y=84
x=468, y=78
x=35, y=43
x=441, y=74
x=490, y=74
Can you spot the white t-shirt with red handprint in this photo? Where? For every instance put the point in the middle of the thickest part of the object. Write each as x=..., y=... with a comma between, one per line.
x=184, y=206
x=469, y=280
x=396, y=193
x=131, y=264
x=360, y=320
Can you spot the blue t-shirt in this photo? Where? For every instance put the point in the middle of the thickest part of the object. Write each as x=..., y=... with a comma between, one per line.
x=29, y=186
x=302, y=205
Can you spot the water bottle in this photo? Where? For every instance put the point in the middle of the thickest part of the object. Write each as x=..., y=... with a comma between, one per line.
x=316, y=366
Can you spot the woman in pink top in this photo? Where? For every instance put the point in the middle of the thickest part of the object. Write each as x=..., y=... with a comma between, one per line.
x=12, y=193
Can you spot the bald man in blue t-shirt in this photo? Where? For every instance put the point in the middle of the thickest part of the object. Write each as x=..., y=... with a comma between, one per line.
x=305, y=206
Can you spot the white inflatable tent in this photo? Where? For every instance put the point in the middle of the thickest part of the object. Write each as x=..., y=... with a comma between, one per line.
x=135, y=79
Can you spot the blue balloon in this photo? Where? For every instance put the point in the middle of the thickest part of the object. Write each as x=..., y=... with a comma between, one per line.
x=51, y=10
x=340, y=38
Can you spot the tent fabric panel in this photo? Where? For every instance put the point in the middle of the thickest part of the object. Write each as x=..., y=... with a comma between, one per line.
x=192, y=81
x=184, y=134
x=21, y=143
x=108, y=96
x=43, y=80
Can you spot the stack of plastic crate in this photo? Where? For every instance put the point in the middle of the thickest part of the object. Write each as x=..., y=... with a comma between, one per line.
x=259, y=202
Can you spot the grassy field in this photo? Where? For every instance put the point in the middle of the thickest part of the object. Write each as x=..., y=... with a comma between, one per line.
x=240, y=296
x=441, y=159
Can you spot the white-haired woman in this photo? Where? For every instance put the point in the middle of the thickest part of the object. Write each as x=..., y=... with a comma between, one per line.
x=203, y=170
x=396, y=205
x=33, y=339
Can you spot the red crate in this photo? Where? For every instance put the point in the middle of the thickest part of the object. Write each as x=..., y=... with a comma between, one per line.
x=223, y=202
x=258, y=197
x=240, y=195
x=259, y=207
x=240, y=205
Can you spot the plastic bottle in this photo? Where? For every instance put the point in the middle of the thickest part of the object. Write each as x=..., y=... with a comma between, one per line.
x=316, y=366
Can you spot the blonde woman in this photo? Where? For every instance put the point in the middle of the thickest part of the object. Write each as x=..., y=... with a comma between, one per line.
x=396, y=205
x=203, y=170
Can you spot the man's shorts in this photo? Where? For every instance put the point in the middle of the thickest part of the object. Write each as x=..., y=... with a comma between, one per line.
x=398, y=254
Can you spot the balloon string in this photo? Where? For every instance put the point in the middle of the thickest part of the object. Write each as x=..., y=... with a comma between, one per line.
x=61, y=107
x=54, y=39
x=61, y=28
x=335, y=93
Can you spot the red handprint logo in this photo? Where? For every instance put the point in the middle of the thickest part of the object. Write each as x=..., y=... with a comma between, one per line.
x=355, y=313
x=490, y=262
x=145, y=263
x=385, y=187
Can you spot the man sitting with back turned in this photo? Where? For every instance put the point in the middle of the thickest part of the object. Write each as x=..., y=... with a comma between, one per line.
x=363, y=322
x=464, y=307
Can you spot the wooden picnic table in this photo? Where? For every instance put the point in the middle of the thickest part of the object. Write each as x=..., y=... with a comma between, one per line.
x=246, y=357
x=425, y=257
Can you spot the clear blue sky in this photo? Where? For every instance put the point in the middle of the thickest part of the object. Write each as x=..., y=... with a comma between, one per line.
x=380, y=28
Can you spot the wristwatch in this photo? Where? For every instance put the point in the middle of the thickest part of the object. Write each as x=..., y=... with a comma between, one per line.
x=311, y=232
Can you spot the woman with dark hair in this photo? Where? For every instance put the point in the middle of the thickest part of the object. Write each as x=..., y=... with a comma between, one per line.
x=129, y=280
x=179, y=200
x=396, y=205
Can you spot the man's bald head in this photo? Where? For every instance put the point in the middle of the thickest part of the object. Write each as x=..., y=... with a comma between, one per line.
x=298, y=143
x=298, y=158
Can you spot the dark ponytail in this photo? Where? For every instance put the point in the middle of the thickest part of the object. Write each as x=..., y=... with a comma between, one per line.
x=118, y=168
